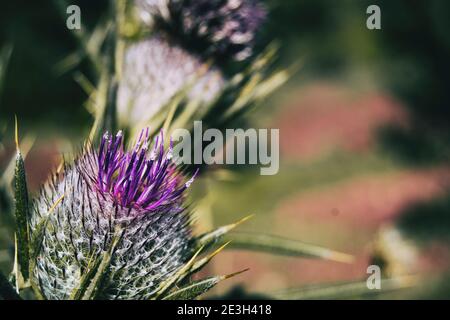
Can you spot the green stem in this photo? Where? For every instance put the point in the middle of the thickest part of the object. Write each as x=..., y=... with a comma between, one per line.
x=112, y=68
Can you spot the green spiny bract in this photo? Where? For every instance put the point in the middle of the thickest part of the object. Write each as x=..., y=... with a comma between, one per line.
x=154, y=71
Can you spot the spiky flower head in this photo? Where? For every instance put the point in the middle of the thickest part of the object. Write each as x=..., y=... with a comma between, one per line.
x=125, y=204
x=226, y=28
x=154, y=71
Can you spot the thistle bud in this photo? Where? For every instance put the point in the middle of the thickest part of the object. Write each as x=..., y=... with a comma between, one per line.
x=139, y=192
x=226, y=28
x=154, y=71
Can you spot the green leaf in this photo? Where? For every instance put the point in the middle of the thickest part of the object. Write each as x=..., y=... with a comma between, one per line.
x=7, y=291
x=281, y=246
x=8, y=174
x=347, y=290
x=22, y=217
x=199, y=287
x=6, y=180
x=194, y=290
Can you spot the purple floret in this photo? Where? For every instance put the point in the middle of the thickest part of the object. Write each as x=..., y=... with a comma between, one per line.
x=139, y=178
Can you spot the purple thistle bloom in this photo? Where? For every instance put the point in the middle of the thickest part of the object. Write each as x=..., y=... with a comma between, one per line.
x=136, y=179
x=142, y=192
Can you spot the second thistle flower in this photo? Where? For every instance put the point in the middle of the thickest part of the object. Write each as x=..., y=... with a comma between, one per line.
x=225, y=28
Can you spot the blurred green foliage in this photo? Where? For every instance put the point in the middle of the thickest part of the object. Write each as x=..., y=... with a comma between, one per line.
x=33, y=89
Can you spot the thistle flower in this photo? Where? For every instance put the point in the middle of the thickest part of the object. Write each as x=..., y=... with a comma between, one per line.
x=139, y=192
x=226, y=28
x=155, y=70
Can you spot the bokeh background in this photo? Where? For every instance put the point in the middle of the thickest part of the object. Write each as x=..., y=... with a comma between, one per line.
x=364, y=134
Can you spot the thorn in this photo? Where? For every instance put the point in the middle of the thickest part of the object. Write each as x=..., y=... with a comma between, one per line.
x=213, y=254
x=243, y=220
x=202, y=262
x=55, y=204
x=195, y=255
x=60, y=166
x=228, y=276
x=219, y=249
x=340, y=257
